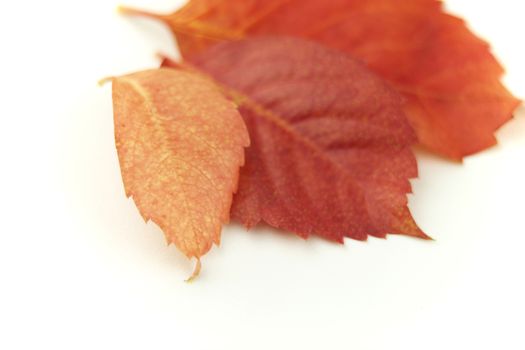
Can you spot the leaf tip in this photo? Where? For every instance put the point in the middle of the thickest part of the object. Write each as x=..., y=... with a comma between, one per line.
x=428, y=238
x=422, y=235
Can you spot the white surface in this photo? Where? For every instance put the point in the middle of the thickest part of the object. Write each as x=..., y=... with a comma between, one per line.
x=80, y=270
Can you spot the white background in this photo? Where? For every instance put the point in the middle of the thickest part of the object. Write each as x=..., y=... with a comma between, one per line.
x=79, y=269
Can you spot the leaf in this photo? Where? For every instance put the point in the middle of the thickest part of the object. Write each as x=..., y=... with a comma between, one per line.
x=180, y=145
x=449, y=78
x=330, y=146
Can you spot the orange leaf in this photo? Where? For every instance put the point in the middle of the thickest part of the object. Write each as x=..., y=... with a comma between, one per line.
x=450, y=80
x=180, y=145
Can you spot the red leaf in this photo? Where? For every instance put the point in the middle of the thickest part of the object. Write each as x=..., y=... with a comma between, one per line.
x=330, y=146
x=454, y=99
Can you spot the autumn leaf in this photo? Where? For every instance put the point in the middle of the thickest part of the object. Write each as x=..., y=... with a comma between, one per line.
x=330, y=146
x=180, y=145
x=450, y=80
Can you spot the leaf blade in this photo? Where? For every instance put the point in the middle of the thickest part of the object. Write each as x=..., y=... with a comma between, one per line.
x=292, y=178
x=421, y=50
x=180, y=144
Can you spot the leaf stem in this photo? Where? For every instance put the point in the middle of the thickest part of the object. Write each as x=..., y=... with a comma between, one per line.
x=196, y=271
x=130, y=11
x=105, y=80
